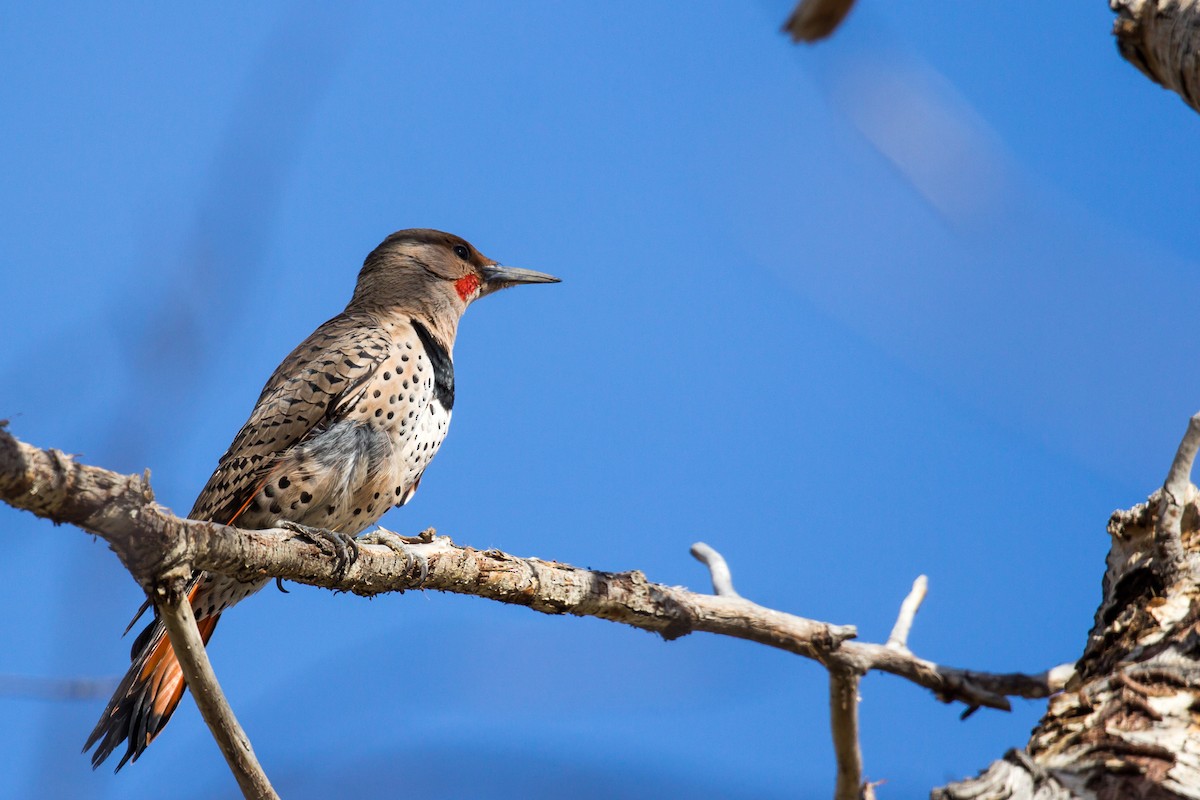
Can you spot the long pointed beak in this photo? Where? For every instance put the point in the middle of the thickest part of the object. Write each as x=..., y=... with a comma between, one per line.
x=496, y=277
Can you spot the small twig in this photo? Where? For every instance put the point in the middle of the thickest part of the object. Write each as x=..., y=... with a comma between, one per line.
x=898, y=639
x=813, y=20
x=176, y=613
x=843, y=722
x=1176, y=492
x=722, y=578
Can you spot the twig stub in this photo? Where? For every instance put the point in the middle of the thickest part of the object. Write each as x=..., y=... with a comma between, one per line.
x=722, y=578
x=898, y=639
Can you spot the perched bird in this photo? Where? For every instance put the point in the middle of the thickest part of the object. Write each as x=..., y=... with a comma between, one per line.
x=343, y=431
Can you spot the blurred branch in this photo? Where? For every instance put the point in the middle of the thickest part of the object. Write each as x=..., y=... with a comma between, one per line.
x=1162, y=39
x=56, y=688
x=813, y=20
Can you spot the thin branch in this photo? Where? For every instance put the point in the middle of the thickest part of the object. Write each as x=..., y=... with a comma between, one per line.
x=176, y=612
x=1168, y=539
x=843, y=722
x=813, y=20
x=722, y=578
x=898, y=639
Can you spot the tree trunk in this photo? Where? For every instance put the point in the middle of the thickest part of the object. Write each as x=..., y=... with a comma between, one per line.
x=1126, y=726
x=1161, y=38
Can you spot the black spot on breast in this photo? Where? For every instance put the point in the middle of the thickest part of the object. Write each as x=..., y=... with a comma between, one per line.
x=284, y=482
x=305, y=497
x=276, y=508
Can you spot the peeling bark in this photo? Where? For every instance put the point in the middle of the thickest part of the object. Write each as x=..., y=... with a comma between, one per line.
x=1126, y=724
x=1162, y=38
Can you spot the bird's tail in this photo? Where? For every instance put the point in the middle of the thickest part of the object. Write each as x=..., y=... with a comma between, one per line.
x=147, y=696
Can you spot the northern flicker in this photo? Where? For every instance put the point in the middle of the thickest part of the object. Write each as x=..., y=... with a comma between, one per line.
x=342, y=431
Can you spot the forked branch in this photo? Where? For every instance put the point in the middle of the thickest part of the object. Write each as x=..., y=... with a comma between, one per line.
x=154, y=544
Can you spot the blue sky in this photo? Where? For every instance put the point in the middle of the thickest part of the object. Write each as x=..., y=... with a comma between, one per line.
x=911, y=301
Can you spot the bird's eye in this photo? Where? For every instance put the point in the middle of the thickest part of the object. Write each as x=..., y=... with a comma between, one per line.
x=462, y=252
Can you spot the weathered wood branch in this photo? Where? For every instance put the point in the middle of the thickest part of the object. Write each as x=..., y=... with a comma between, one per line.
x=1162, y=39
x=150, y=541
x=1125, y=726
x=56, y=688
x=158, y=547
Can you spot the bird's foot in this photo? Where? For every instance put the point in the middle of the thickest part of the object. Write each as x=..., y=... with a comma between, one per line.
x=400, y=546
x=342, y=546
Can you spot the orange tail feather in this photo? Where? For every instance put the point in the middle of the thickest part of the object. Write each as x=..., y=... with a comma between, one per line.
x=147, y=695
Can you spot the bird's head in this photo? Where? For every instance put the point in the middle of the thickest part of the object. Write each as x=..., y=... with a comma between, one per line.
x=434, y=274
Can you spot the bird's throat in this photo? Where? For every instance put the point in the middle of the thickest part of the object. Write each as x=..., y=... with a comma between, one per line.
x=466, y=286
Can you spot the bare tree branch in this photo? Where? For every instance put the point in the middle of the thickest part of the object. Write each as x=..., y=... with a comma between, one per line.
x=722, y=579
x=158, y=548
x=843, y=723
x=898, y=639
x=1162, y=39
x=151, y=542
x=175, y=610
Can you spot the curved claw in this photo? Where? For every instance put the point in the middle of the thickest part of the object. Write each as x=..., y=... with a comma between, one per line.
x=342, y=546
x=399, y=545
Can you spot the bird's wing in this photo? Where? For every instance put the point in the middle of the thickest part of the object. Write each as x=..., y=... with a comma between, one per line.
x=325, y=374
